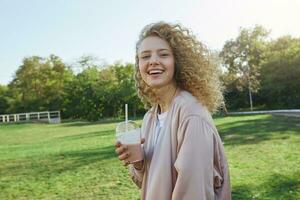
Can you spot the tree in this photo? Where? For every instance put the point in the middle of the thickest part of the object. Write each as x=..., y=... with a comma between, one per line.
x=83, y=100
x=38, y=84
x=99, y=92
x=242, y=57
x=4, y=102
x=280, y=72
x=96, y=92
x=126, y=89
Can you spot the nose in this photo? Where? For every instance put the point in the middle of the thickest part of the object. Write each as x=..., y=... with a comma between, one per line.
x=154, y=60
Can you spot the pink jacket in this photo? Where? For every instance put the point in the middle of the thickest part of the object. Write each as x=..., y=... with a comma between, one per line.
x=188, y=161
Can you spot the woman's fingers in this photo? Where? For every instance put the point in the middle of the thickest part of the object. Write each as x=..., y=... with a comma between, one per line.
x=121, y=149
x=124, y=156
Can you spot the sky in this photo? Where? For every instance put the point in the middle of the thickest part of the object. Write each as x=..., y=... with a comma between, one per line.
x=108, y=29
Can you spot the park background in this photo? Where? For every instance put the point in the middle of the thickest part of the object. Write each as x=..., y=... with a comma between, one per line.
x=77, y=57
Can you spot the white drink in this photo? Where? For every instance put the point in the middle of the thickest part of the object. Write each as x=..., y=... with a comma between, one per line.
x=133, y=141
x=129, y=134
x=129, y=137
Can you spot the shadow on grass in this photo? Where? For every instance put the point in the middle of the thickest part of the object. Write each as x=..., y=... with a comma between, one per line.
x=54, y=165
x=67, y=160
x=278, y=186
x=284, y=187
x=257, y=130
x=241, y=192
x=95, y=135
x=88, y=156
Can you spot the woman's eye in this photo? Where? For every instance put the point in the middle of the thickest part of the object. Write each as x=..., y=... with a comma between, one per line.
x=145, y=57
x=164, y=54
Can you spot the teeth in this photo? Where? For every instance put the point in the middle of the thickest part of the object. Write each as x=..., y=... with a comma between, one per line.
x=155, y=71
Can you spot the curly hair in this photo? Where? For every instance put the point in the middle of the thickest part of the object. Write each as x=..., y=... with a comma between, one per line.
x=194, y=70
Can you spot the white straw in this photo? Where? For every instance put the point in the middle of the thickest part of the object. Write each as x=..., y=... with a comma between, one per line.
x=126, y=116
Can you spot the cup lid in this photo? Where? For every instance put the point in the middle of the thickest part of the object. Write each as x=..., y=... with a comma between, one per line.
x=123, y=126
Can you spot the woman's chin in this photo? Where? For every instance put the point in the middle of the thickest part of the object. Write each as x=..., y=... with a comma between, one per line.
x=155, y=85
x=159, y=84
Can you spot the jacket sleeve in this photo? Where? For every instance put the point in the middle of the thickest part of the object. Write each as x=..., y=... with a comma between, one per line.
x=194, y=163
x=137, y=175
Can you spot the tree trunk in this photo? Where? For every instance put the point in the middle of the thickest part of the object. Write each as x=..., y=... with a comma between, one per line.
x=250, y=96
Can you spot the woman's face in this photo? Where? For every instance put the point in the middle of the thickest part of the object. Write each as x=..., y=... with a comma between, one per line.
x=156, y=62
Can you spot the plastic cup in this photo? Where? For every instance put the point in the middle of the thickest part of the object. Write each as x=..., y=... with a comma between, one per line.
x=130, y=134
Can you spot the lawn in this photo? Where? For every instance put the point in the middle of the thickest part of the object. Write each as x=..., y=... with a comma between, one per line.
x=76, y=160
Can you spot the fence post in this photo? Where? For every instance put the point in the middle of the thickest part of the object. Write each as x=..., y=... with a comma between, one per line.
x=48, y=117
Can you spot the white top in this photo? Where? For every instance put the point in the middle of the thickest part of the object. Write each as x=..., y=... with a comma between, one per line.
x=159, y=124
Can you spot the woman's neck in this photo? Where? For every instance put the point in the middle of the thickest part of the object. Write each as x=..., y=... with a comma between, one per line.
x=165, y=96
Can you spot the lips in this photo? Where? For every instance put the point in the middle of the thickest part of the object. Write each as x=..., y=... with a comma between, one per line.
x=155, y=71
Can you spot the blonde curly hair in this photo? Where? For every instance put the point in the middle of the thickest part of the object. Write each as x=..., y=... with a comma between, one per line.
x=194, y=70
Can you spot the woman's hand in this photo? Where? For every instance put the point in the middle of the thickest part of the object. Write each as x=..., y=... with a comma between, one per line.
x=122, y=151
x=124, y=154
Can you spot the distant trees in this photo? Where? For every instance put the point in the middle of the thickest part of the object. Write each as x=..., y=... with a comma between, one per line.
x=280, y=74
x=99, y=92
x=4, y=99
x=269, y=70
x=96, y=92
x=39, y=84
x=242, y=58
x=251, y=65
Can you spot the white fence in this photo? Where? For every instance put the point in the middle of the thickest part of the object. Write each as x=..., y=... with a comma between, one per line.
x=51, y=117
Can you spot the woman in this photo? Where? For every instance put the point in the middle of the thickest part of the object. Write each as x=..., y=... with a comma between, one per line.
x=183, y=153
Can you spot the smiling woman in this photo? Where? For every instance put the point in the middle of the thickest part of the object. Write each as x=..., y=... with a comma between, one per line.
x=183, y=154
x=156, y=64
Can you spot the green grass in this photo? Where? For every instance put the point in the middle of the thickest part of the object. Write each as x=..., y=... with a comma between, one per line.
x=76, y=160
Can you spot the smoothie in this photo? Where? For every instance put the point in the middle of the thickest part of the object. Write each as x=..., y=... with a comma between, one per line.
x=136, y=152
x=132, y=139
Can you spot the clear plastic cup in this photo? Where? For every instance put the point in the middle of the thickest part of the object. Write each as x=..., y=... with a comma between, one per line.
x=129, y=133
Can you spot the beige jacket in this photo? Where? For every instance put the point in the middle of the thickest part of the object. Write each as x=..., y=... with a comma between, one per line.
x=188, y=161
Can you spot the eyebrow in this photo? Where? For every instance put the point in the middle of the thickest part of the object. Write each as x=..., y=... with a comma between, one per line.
x=148, y=51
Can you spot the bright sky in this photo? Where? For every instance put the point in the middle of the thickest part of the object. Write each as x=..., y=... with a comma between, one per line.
x=108, y=29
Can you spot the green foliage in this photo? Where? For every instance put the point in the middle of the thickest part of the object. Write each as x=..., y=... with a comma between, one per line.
x=96, y=92
x=83, y=101
x=243, y=55
x=280, y=74
x=39, y=85
x=4, y=102
x=99, y=92
x=77, y=160
x=270, y=70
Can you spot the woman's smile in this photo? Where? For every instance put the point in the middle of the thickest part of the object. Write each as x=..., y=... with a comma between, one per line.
x=156, y=62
